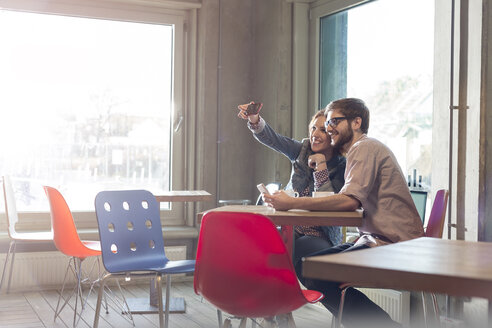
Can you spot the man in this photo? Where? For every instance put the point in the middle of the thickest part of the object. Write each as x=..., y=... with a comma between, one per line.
x=373, y=181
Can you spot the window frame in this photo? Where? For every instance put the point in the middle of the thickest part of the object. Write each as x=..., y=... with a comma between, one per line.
x=318, y=10
x=183, y=16
x=305, y=60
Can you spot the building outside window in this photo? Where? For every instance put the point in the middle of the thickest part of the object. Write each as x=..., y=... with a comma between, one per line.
x=91, y=104
x=382, y=52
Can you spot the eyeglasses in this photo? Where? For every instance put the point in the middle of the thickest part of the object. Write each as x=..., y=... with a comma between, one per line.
x=333, y=122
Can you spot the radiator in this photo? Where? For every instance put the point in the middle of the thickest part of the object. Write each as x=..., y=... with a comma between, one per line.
x=46, y=270
x=395, y=303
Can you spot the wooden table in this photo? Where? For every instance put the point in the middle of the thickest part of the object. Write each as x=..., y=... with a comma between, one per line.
x=453, y=267
x=288, y=219
x=177, y=304
x=296, y=217
x=184, y=196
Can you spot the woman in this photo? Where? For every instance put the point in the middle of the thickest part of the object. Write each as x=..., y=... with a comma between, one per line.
x=315, y=167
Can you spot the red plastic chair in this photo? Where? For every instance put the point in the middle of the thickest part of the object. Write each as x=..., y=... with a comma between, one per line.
x=244, y=269
x=437, y=216
x=434, y=229
x=68, y=242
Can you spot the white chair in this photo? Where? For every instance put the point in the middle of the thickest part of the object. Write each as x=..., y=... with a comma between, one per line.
x=17, y=237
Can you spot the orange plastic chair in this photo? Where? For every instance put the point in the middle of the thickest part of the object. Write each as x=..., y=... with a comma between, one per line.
x=44, y=237
x=434, y=229
x=243, y=268
x=68, y=242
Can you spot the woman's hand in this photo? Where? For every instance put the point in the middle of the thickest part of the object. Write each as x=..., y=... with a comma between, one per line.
x=279, y=200
x=317, y=162
x=252, y=118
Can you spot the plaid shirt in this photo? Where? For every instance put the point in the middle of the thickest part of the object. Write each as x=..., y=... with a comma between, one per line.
x=320, y=177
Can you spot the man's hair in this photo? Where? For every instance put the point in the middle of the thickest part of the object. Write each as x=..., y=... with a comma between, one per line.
x=351, y=108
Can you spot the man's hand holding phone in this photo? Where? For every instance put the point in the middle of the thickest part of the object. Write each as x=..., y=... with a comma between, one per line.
x=261, y=187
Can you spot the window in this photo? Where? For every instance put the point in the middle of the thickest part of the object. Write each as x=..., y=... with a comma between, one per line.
x=92, y=103
x=381, y=53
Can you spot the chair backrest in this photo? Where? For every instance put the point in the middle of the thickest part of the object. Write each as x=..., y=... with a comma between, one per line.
x=438, y=215
x=65, y=234
x=420, y=199
x=271, y=187
x=130, y=230
x=10, y=206
x=243, y=267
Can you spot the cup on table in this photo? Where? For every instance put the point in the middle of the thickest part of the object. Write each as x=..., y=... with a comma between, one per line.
x=322, y=193
x=292, y=193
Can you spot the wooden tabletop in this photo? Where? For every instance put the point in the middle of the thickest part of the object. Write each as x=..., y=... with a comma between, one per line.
x=183, y=196
x=459, y=268
x=297, y=217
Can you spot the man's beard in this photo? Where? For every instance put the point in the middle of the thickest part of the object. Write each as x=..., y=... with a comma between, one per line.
x=344, y=139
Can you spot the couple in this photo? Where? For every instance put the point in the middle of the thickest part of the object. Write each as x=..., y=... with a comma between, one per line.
x=363, y=172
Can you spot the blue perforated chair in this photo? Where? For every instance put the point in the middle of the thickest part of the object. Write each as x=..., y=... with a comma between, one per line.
x=130, y=232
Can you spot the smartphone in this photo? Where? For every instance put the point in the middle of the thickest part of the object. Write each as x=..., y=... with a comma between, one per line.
x=261, y=187
x=253, y=108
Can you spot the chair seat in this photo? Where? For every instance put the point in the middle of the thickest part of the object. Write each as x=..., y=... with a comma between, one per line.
x=181, y=266
x=93, y=245
x=34, y=236
x=170, y=267
x=312, y=296
x=85, y=249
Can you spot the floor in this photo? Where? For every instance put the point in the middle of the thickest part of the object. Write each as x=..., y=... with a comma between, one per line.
x=32, y=309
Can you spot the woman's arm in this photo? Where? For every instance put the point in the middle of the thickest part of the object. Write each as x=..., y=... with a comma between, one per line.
x=267, y=136
x=285, y=145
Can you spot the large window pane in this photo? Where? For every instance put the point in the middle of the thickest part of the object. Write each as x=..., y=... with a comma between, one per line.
x=389, y=60
x=86, y=105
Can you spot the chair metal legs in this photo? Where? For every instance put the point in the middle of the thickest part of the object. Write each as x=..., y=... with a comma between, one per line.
x=75, y=266
x=219, y=317
x=340, y=308
x=99, y=299
x=163, y=309
x=168, y=298
x=435, y=307
x=338, y=321
x=103, y=290
x=163, y=322
x=283, y=320
x=158, y=281
x=11, y=251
